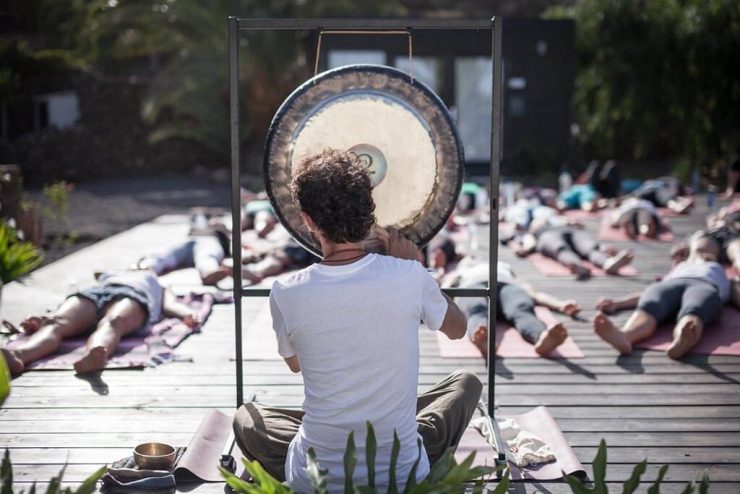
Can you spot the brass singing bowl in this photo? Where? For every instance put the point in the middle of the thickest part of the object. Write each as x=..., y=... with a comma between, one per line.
x=154, y=456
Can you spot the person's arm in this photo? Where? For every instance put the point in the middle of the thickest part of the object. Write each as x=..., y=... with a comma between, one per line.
x=568, y=307
x=279, y=325
x=293, y=363
x=609, y=305
x=173, y=308
x=455, y=324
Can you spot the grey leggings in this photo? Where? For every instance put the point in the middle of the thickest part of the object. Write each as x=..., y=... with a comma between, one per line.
x=679, y=297
x=202, y=252
x=569, y=246
x=514, y=306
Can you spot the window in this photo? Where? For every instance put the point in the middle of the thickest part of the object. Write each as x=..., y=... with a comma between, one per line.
x=426, y=69
x=339, y=58
x=473, y=90
x=60, y=110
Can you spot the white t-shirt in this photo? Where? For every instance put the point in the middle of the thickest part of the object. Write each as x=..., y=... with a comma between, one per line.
x=355, y=330
x=710, y=271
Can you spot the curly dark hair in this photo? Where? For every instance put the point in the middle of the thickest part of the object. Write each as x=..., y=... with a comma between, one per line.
x=333, y=187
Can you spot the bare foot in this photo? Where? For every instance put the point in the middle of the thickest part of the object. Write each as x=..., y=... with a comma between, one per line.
x=611, y=334
x=480, y=339
x=551, y=338
x=251, y=276
x=613, y=264
x=94, y=360
x=581, y=272
x=686, y=334
x=15, y=364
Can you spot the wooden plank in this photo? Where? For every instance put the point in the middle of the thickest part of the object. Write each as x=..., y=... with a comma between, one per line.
x=79, y=438
x=685, y=473
x=117, y=423
x=280, y=397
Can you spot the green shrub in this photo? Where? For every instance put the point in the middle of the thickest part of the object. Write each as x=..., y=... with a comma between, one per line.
x=445, y=477
x=16, y=257
x=55, y=484
x=631, y=484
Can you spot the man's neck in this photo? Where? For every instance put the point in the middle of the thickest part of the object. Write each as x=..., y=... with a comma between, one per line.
x=331, y=248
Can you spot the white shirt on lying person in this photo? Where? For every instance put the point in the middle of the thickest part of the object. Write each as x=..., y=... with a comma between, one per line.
x=712, y=272
x=355, y=331
x=476, y=272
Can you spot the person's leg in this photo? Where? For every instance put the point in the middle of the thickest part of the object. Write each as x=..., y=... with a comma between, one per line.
x=264, y=434
x=553, y=245
x=700, y=305
x=517, y=307
x=732, y=252
x=476, y=312
x=611, y=180
x=658, y=303
x=121, y=317
x=648, y=223
x=175, y=257
x=75, y=316
x=628, y=223
x=208, y=256
x=585, y=246
x=443, y=412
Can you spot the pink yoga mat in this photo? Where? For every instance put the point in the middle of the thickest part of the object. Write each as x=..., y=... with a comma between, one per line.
x=611, y=234
x=540, y=423
x=550, y=267
x=580, y=214
x=147, y=347
x=722, y=337
x=509, y=343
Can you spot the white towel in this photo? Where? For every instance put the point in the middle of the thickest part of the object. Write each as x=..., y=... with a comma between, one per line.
x=525, y=448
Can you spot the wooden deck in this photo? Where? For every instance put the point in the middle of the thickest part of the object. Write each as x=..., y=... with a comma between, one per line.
x=686, y=414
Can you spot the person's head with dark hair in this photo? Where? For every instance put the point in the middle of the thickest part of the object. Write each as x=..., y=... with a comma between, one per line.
x=442, y=251
x=334, y=193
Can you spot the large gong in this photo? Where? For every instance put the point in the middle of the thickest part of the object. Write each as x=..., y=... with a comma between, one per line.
x=396, y=125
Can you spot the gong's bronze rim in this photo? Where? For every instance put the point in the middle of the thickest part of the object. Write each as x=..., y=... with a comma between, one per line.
x=449, y=172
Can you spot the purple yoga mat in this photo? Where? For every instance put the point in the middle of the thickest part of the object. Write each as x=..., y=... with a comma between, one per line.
x=722, y=337
x=152, y=345
x=509, y=343
x=540, y=423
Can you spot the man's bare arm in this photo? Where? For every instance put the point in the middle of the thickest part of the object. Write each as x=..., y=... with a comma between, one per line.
x=293, y=363
x=455, y=323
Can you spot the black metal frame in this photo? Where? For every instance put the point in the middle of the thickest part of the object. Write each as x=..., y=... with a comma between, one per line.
x=495, y=25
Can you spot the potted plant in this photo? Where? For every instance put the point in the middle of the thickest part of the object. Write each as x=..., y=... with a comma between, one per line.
x=17, y=257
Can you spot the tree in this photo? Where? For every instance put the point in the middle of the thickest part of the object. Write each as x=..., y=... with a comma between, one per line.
x=188, y=97
x=657, y=79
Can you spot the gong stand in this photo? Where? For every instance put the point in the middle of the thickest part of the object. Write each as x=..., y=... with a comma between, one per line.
x=379, y=26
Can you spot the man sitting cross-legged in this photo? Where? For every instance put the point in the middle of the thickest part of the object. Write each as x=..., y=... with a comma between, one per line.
x=350, y=325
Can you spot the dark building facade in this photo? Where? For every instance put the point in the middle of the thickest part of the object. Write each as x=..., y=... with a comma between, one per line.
x=539, y=68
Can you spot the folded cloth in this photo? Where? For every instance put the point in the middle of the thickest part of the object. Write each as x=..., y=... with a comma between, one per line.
x=125, y=473
x=525, y=448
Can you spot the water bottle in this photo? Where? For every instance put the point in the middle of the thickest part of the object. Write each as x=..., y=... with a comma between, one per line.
x=565, y=180
x=711, y=197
